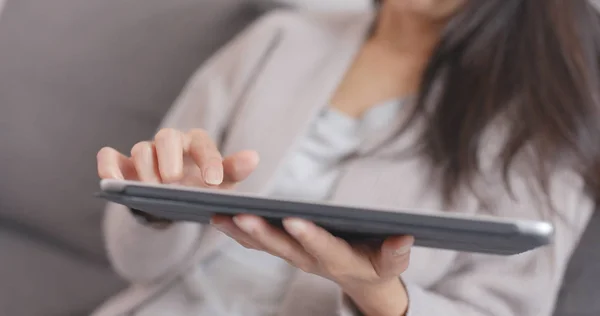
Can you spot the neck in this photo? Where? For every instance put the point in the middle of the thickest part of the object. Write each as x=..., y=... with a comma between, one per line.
x=406, y=33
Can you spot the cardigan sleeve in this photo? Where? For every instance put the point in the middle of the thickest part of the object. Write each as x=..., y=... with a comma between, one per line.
x=521, y=285
x=142, y=254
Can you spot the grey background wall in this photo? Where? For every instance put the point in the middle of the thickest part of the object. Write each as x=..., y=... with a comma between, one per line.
x=76, y=76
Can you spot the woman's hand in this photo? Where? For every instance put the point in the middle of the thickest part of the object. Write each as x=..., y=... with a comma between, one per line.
x=369, y=276
x=190, y=159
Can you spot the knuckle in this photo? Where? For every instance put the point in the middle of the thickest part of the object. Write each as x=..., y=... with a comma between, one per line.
x=166, y=133
x=103, y=152
x=197, y=132
x=286, y=254
x=215, y=159
x=211, y=157
x=202, y=139
x=313, y=240
x=257, y=233
x=139, y=147
x=337, y=273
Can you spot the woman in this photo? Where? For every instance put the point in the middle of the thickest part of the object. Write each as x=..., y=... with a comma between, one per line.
x=459, y=105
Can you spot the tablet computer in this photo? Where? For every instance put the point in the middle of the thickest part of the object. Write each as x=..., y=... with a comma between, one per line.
x=459, y=232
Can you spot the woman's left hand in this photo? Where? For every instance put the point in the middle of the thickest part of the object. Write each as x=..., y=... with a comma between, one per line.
x=356, y=269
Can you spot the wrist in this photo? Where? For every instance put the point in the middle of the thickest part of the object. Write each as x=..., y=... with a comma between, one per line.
x=382, y=299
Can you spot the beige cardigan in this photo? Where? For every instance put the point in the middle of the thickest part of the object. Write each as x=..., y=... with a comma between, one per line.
x=260, y=92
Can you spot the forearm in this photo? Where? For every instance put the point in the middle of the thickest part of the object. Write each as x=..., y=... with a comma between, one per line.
x=388, y=299
x=142, y=254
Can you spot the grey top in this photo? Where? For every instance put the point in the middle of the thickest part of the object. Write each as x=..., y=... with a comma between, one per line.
x=309, y=173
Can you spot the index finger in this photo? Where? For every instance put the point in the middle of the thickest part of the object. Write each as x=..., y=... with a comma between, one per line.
x=169, y=153
x=111, y=164
x=204, y=152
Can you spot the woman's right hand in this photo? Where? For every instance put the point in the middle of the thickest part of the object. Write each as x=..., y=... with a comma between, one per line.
x=174, y=157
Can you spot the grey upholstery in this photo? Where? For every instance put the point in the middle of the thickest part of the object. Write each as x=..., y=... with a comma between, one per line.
x=39, y=279
x=580, y=292
x=75, y=76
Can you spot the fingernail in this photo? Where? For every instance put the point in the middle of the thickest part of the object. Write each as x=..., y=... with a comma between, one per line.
x=402, y=250
x=213, y=176
x=247, y=225
x=295, y=227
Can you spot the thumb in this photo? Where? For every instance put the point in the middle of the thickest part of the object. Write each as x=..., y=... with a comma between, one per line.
x=239, y=166
x=394, y=256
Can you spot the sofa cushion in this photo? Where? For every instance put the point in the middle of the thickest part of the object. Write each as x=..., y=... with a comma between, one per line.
x=580, y=290
x=40, y=280
x=79, y=75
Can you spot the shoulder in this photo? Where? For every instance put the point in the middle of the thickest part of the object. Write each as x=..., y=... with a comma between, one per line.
x=303, y=25
x=288, y=19
x=289, y=34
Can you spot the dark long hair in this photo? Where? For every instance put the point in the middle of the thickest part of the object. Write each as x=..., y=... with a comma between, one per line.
x=536, y=65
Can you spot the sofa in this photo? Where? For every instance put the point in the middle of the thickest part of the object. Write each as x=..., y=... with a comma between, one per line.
x=79, y=75
x=76, y=76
